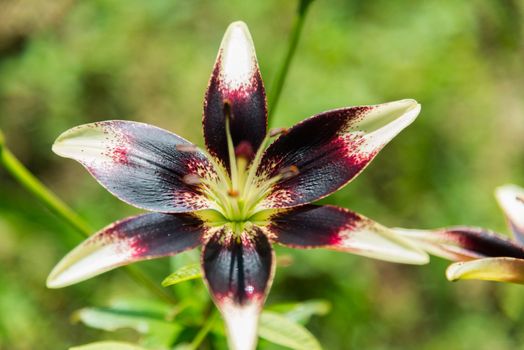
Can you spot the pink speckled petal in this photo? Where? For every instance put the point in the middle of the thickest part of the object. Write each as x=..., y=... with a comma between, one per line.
x=141, y=164
x=238, y=273
x=133, y=239
x=328, y=150
x=329, y=227
x=236, y=81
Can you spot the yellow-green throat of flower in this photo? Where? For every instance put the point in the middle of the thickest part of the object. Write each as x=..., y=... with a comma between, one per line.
x=238, y=193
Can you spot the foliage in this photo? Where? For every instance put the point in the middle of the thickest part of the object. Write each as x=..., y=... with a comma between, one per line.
x=149, y=61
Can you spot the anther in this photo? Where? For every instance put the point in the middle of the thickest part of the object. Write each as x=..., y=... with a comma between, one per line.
x=277, y=131
x=192, y=179
x=289, y=172
x=232, y=193
x=186, y=147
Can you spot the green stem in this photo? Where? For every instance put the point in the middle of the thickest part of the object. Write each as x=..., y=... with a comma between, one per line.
x=296, y=31
x=37, y=189
x=58, y=207
x=206, y=327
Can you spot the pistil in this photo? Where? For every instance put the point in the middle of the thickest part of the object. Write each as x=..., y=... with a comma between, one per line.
x=238, y=193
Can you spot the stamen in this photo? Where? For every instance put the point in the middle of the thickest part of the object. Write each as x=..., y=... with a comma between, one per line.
x=289, y=172
x=232, y=193
x=186, y=147
x=228, y=114
x=520, y=198
x=192, y=179
x=230, y=146
x=277, y=131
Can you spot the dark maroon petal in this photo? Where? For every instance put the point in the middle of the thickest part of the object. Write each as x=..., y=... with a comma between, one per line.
x=464, y=243
x=330, y=149
x=311, y=226
x=136, y=238
x=235, y=81
x=142, y=165
x=483, y=242
x=239, y=272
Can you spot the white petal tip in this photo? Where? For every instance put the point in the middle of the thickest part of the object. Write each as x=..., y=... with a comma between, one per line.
x=237, y=25
x=453, y=272
x=54, y=281
x=411, y=108
x=60, y=278
x=237, y=56
x=242, y=325
x=76, y=142
x=498, y=269
x=508, y=193
x=237, y=39
x=511, y=200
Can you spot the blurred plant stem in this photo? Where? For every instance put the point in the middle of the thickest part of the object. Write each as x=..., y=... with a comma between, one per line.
x=296, y=31
x=206, y=327
x=24, y=177
x=37, y=189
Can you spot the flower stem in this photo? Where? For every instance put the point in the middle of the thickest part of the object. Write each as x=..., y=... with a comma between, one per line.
x=37, y=189
x=24, y=177
x=296, y=31
x=206, y=327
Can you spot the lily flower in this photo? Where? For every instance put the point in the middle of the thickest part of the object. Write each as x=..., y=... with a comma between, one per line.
x=239, y=195
x=480, y=253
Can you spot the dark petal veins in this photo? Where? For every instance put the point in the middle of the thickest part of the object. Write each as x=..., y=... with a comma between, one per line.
x=142, y=165
x=330, y=149
x=235, y=80
x=311, y=226
x=239, y=274
x=238, y=270
x=136, y=238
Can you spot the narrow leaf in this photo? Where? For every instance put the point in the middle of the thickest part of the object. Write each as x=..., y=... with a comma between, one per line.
x=108, y=345
x=302, y=312
x=157, y=330
x=280, y=330
x=185, y=273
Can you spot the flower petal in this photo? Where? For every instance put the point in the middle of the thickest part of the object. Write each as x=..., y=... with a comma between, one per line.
x=239, y=272
x=330, y=149
x=235, y=80
x=511, y=200
x=463, y=243
x=136, y=238
x=141, y=164
x=488, y=269
x=311, y=226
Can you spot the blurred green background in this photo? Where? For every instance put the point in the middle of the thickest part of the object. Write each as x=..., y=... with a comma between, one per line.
x=64, y=63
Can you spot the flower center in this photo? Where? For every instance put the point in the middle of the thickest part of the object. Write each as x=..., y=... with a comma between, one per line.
x=238, y=193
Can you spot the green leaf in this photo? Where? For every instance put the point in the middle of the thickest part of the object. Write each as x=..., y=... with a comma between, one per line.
x=280, y=330
x=185, y=273
x=108, y=345
x=302, y=312
x=157, y=330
